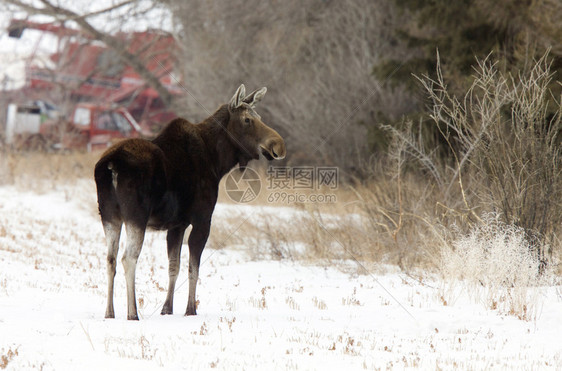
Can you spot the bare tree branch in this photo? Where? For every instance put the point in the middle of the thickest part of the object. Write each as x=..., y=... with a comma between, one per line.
x=128, y=58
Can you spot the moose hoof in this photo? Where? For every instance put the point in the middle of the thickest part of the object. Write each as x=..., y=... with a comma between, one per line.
x=133, y=317
x=166, y=311
x=191, y=312
x=109, y=314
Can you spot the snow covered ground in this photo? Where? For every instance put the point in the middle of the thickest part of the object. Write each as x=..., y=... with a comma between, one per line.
x=252, y=314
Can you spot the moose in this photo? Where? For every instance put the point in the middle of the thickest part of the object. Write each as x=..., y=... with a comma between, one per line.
x=171, y=182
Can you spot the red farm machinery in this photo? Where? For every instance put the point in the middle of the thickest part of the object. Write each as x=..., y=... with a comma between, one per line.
x=83, y=96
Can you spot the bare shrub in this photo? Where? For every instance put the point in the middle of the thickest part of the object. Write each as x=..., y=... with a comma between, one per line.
x=504, y=149
x=503, y=146
x=498, y=265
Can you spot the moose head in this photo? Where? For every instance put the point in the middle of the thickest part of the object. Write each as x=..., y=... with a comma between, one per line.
x=247, y=130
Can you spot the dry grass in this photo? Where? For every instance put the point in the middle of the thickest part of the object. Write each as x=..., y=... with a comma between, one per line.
x=315, y=231
x=6, y=356
x=330, y=231
x=360, y=224
x=366, y=225
x=372, y=222
x=41, y=172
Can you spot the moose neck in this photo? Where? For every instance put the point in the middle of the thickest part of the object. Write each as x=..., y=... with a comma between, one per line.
x=224, y=153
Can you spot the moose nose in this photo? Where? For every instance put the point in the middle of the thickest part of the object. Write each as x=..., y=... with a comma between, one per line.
x=278, y=150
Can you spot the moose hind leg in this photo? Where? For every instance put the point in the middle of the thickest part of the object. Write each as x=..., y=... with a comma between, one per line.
x=135, y=238
x=174, y=239
x=112, y=234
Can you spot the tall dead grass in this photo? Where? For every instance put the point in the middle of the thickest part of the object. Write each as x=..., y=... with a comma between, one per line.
x=42, y=172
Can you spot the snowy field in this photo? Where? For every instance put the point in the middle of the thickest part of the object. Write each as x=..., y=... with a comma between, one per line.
x=253, y=314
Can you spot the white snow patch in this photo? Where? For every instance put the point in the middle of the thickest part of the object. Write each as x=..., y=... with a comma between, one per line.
x=252, y=314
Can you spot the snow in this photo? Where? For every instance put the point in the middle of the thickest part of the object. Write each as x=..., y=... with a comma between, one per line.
x=253, y=314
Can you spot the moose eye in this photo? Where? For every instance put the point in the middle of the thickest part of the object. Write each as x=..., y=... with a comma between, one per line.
x=247, y=120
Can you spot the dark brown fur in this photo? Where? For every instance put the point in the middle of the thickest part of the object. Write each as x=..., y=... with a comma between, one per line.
x=172, y=182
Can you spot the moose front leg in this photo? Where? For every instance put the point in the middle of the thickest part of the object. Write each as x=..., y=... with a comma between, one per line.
x=174, y=239
x=197, y=240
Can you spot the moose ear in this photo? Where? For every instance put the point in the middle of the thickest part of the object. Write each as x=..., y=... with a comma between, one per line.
x=255, y=96
x=236, y=100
